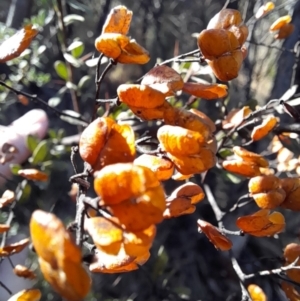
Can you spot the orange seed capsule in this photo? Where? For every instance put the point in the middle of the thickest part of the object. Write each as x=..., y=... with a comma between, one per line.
x=264, y=129
x=270, y=199
x=263, y=183
x=162, y=167
x=242, y=168
x=250, y=156
x=179, y=141
x=140, y=96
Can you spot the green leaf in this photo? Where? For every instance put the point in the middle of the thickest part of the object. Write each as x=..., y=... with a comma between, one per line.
x=71, y=120
x=83, y=82
x=76, y=48
x=69, y=19
x=61, y=69
x=93, y=62
x=40, y=153
x=24, y=191
x=61, y=134
x=57, y=98
x=72, y=60
x=15, y=168
x=224, y=153
x=70, y=85
x=160, y=263
x=232, y=178
x=32, y=142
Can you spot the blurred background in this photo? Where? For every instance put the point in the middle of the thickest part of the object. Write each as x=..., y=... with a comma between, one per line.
x=184, y=265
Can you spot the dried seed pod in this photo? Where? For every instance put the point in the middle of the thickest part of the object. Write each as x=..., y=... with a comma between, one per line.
x=242, y=168
x=179, y=141
x=207, y=91
x=264, y=9
x=250, y=156
x=205, y=118
x=33, y=174
x=187, y=120
x=118, y=20
x=111, y=44
x=178, y=206
x=264, y=129
x=219, y=240
x=291, y=253
x=215, y=43
x=276, y=25
x=263, y=183
x=231, y=20
x=225, y=18
x=292, y=188
x=146, y=210
x=285, y=31
x=141, y=96
x=189, y=190
x=93, y=139
x=256, y=293
x=13, y=47
x=261, y=223
x=291, y=292
x=133, y=53
x=199, y=163
x=135, y=180
x=227, y=67
x=236, y=117
x=162, y=167
x=151, y=114
x=240, y=32
x=164, y=79
x=270, y=199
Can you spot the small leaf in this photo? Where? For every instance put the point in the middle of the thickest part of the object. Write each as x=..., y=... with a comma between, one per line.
x=160, y=264
x=32, y=142
x=83, y=82
x=93, y=62
x=71, y=86
x=69, y=19
x=57, y=98
x=25, y=192
x=73, y=118
x=61, y=69
x=76, y=48
x=40, y=153
x=72, y=60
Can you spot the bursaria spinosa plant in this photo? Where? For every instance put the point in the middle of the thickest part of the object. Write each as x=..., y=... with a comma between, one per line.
x=120, y=194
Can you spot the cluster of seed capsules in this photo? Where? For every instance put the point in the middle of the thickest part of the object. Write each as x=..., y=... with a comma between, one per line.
x=268, y=191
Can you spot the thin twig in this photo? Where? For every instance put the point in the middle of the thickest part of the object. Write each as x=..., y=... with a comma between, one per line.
x=6, y=288
x=39, y=100
x=98, y=83
x=181, y=56
x=62, y=27
x=275, y=271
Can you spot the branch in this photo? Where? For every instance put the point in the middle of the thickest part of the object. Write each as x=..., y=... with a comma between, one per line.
x=275, y=271
x=62, y=27
x=287, y=128
x=37, y=99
